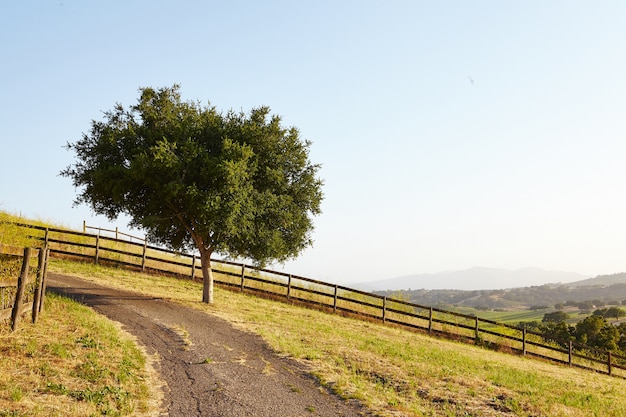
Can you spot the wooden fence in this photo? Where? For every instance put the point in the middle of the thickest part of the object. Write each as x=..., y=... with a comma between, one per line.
x=115, y=232
x=332, y=297
x=23, y=296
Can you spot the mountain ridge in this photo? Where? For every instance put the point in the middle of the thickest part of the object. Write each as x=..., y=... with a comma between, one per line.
x=476, y=278
x=601, y=290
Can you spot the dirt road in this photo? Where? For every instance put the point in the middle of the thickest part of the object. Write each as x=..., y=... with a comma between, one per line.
x=210, y=368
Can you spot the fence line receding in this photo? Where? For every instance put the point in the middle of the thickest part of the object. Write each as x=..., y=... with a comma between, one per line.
x=330, y=297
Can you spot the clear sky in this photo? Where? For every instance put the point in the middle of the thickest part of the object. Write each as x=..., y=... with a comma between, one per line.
x=451, y=134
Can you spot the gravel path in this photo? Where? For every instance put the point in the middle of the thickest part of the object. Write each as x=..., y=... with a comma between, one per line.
x=210, y=368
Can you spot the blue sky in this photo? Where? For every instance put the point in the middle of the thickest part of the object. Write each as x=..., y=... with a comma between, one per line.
x=451, y=134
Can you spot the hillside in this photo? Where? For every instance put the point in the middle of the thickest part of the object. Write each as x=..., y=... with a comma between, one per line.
x=601, y=280
x=478, y=278
x=609, y=289
x=393, y=371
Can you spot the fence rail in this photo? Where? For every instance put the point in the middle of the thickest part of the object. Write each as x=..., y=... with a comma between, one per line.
x=331, y=297
x=116, y=232
x=23, y=296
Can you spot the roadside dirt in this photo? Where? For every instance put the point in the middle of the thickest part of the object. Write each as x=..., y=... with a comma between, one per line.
x=209, y=367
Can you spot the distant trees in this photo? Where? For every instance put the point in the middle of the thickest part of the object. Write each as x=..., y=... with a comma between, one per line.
x=555, y=317
x=560, y=333
x=593, y=331
x=596, y=332
x=611, y=312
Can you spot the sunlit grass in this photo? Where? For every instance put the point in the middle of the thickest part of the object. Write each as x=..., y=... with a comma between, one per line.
x=393, y=371
x=73, y=362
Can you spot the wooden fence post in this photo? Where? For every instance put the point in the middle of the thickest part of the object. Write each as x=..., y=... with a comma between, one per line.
x=143, y=256
x=610, y=364
x=384, y=310
x=289, y=287
x=335, y=299
x=193, y=267
x=38, y=283
x=477, y=336
x=571, y=348
x=524, y=341
x=21, y=284
x=243, y=276
x=430, y=321
x=97, y=249
x=43, y=280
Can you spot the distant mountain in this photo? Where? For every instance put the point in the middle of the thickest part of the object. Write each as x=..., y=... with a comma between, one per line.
x=477, y=278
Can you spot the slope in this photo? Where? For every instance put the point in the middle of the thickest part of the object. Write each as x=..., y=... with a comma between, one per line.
x=394, y=372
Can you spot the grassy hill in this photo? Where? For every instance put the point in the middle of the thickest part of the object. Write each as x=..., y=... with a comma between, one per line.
x=609, y=289
x=395, y=372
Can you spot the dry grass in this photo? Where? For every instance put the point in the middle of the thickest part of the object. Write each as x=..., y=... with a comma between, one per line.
x=74, y=362
x=393, y=371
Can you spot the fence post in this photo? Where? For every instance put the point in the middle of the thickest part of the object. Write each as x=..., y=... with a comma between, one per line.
x=45, y=239
x=39, y=282
x=84, y=226
x=115, y=232
x=143, y=256
x=384, y=310
x=524, y=341
x=430, y=321
x=289, y=287
x=610, y=364
x=193, y=267
x=97, y=249
x=21, y=284
x=43, y=280
x=243, y=276
x=569, y=360
x=477, y=336
x=335, y=299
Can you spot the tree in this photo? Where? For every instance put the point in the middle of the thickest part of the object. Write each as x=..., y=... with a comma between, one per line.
x=558, y=332
x=555, y=317
x=611, y=312
x=236, y=184
x=615, y=313
x=595, y=331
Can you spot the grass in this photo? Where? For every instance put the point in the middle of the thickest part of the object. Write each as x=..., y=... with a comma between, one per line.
x=73, y=362
x=393, y=371
x=13, y=235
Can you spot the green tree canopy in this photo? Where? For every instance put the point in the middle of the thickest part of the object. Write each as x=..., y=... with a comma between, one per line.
x=231, y=183
x=595, y=331
x=555, y=317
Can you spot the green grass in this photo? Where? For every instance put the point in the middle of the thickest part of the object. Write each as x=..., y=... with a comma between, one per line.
x=514, y=317
x=393, y=371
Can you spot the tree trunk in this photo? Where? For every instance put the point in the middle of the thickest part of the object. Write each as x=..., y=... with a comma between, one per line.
x=207, y=276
